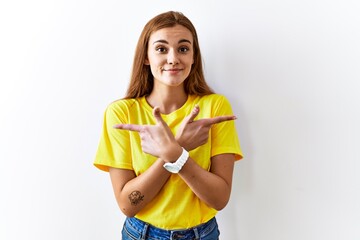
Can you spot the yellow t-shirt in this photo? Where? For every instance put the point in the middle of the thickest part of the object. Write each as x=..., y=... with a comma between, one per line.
x=175, y=206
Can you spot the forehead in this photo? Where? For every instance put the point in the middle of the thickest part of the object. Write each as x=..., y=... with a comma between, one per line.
x=170, y=34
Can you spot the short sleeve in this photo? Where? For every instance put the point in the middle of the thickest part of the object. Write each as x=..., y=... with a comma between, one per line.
x=224, y=137
x=114, y=145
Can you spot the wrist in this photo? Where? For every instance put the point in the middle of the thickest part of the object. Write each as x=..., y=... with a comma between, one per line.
x=175, y=167
x=172, y=154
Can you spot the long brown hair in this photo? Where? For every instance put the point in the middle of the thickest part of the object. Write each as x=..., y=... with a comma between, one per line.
x=142, y=81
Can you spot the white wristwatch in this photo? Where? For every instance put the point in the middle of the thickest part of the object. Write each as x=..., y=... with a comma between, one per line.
x=176, y=166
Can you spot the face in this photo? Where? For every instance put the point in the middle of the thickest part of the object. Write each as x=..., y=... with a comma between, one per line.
x=170, y=55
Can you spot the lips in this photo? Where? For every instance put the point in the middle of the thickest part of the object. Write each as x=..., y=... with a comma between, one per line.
x=173, y=70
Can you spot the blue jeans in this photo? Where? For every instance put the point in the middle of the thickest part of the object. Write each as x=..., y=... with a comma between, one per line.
x=135, y=229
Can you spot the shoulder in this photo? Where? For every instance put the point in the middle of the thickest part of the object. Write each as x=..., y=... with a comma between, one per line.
x=217, y=104
x=214, y=98
x=121, y=107
x=122, y=104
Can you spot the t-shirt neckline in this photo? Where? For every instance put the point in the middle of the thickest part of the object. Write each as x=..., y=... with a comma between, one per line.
x=150, y=108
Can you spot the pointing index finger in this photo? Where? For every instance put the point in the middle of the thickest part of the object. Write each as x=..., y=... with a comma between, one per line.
x=220, y=119
x=130, y=127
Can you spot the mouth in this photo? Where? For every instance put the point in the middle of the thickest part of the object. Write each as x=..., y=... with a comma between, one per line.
x=173, y=70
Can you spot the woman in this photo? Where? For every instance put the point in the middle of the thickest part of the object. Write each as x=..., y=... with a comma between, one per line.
x=170, y=173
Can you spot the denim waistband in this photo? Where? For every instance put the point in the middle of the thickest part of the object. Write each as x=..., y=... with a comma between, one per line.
x=144, y=230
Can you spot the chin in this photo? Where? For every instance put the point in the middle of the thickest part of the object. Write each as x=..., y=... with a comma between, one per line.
x=172, y=83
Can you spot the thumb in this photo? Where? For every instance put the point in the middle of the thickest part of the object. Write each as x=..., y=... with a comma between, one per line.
x=193, y=114
x=157, y=115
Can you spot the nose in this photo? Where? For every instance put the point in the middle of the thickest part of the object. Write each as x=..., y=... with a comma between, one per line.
x=172, y=57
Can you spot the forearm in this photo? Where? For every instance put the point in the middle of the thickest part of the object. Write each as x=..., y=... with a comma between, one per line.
x=139, y=191
x=211, y=188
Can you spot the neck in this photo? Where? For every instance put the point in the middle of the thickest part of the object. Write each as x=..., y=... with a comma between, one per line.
x=167, y=100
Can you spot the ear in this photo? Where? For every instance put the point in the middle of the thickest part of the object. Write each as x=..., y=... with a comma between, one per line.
x=146, y=62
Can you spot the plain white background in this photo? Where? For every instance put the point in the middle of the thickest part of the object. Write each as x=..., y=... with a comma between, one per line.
x=289, y=68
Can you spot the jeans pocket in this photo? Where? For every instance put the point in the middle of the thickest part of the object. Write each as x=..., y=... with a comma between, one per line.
x=211, y=232
x=129, y=233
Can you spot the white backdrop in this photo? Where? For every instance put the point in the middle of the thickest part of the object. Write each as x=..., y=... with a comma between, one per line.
x=289, y=68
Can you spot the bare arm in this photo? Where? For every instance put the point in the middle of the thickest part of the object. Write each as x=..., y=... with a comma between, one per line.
x=134, y=193
x=214, y=187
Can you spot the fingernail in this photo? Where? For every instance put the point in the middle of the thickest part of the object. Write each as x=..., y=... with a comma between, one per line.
x=157, y=110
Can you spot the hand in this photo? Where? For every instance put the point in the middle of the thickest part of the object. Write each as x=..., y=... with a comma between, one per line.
x=192, y=134
x=157, y=139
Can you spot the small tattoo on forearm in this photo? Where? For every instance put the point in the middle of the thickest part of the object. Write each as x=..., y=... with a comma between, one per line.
x=135, y=197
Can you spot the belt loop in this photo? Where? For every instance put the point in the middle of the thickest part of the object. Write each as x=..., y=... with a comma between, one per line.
x=143, y=234
x=196, y=233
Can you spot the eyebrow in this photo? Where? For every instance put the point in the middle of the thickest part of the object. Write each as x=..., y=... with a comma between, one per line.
x=166, y=42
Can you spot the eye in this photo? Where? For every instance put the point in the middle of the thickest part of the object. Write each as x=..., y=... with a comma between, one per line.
x=161, y=49
x=184, y=49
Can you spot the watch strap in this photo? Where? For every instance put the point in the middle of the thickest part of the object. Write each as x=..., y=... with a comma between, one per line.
x=176, y=166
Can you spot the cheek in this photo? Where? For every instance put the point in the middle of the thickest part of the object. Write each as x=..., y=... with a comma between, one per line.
x=189, y=60
x=190, y=63
x=156, y=62
x=155, y=70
